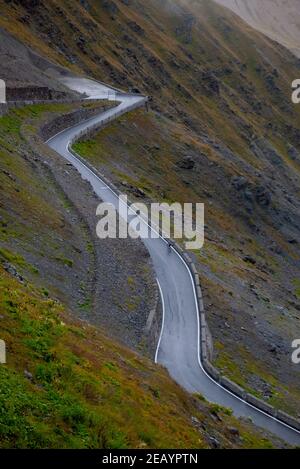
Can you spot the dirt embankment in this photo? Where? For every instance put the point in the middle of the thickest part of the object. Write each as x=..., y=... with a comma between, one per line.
x=122, y=293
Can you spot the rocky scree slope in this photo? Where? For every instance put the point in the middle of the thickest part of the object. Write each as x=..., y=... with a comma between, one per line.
x=48, y=229
x=27, y=74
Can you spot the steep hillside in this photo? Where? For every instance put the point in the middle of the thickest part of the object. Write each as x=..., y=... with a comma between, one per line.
x=23, y=67
x=222, y=93
x=280, y=20
x=66, y=385
x=48, y=230
x=221, y=102
x=247, y=283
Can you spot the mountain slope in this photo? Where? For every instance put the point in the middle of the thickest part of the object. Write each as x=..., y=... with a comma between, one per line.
x=66, y=385
x=221, y=96
x=280, y=20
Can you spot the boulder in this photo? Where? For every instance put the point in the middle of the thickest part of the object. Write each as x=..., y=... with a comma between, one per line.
x=262, y=196
x=250, y=260
x=186, y=163
x=28, y=375
x=214, y=442
x=239, y=182
x=233, y=431
x=211, y=82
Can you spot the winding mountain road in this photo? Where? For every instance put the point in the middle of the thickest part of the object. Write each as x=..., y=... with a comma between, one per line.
x=178, y=348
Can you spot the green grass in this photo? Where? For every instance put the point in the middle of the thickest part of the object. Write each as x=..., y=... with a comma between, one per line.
x=65, y=261
x=17, y=261
x=90, y=248
x=216, y=408
x=12, y=257
x=296, y=283
x=86, y=147
x=86, y=391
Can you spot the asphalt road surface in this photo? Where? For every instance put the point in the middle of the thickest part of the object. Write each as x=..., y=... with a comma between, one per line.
x=178, y=348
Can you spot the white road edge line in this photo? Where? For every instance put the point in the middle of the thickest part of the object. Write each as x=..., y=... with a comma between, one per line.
x=197, y=308
x=73, y=154
x=163, y=320
x=202, y=368
x=194, y=290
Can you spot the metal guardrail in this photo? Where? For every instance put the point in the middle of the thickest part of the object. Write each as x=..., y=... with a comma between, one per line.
x=213, y=372
x=103, y=122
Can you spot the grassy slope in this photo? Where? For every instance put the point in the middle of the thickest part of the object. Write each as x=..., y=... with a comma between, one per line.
x=37, y=224
x=66, y=385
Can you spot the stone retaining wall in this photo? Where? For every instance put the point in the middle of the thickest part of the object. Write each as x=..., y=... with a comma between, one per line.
x=28, y=93
x=6, y=107
x=3, y=109
x=74, y=117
